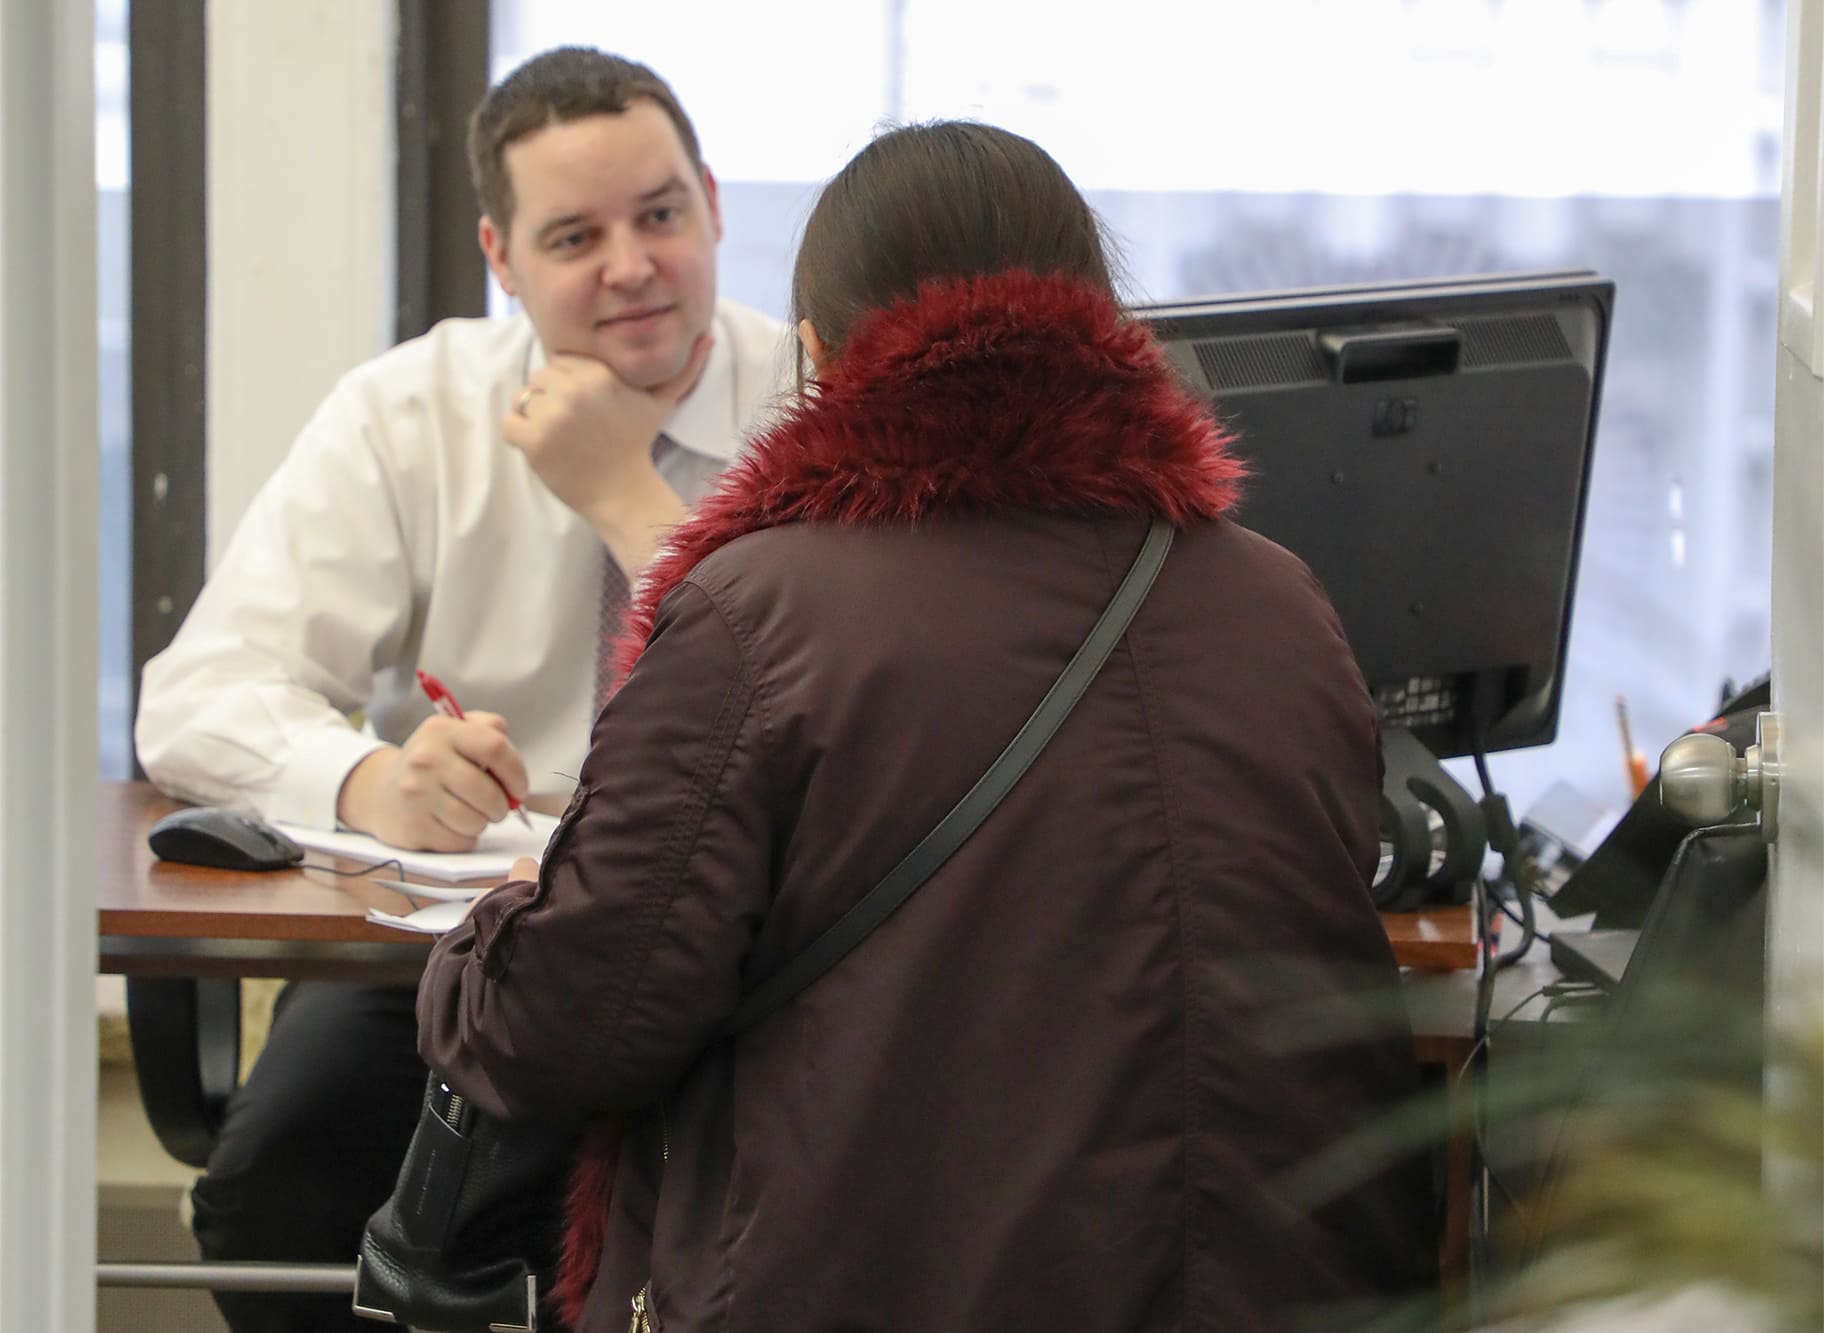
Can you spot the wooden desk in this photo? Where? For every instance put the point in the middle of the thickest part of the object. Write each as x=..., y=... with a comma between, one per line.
x=158, y=919
x=182, y=934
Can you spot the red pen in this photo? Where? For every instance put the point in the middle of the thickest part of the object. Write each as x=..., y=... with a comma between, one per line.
x=445, y=702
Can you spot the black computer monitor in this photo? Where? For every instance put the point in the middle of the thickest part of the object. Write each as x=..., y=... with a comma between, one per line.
x=1425, y=448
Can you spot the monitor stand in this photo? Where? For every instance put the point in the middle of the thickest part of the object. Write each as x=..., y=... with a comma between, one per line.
x=1430, y=828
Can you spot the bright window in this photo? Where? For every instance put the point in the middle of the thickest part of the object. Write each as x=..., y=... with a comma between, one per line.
x=112, y=183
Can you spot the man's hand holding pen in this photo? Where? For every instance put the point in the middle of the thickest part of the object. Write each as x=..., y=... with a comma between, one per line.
x=438, y=791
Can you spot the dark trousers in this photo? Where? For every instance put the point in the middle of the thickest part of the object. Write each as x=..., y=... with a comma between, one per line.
x=311, y=1145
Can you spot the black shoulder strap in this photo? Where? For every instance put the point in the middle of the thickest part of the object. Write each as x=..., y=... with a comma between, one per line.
x=954, y=829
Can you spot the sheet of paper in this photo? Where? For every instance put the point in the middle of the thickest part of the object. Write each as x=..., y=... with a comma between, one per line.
x=432, y=920
x=434, y=893
x=495, y=851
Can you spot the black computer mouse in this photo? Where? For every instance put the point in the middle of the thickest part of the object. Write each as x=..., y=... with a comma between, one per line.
x=207, y=835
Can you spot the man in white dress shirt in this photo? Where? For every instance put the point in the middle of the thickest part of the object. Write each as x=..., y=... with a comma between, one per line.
x=472, y=503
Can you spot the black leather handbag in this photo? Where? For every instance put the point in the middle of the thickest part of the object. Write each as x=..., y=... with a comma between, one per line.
x=449, y=1250
x=444, y=1253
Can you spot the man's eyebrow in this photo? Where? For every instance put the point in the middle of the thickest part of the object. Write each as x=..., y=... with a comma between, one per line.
x=564, y=223
x=671, y=186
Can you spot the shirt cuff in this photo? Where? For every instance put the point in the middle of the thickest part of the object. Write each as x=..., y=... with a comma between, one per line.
x=312, y=779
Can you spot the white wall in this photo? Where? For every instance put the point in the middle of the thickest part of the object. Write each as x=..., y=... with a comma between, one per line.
x=301, y=161
x=1796, y=909
x=49, y=455
x=1795, y=929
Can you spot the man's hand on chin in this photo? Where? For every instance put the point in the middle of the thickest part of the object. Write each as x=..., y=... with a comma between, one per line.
x=588, y=435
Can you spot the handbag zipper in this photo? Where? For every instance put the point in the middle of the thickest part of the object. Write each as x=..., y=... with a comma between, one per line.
x=642, y=1322
x=453, y=1109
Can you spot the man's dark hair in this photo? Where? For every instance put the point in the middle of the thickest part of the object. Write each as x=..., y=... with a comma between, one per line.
x=948, y=199
x=564, y=84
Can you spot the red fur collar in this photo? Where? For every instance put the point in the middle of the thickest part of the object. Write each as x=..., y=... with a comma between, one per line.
x=978, y=396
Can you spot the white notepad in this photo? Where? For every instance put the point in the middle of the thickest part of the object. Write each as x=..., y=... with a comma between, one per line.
x=432, y=920
x=495, y=851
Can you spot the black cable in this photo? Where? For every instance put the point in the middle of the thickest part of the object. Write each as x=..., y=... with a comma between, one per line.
x=1507, y=1195
x=1478, y=1127
x=1515, y=917
x=1557, y=994
x=1529, y=922
x=1480, y=898
x=1502, y=837
x=1498, y=823
x=1572, y=995
x=1480, y=1029
x=1483, y=1041
x=365, y=870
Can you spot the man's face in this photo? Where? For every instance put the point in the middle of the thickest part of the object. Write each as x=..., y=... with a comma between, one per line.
x=612, y=244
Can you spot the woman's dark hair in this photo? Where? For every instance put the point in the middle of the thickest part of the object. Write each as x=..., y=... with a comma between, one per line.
x=948, y=199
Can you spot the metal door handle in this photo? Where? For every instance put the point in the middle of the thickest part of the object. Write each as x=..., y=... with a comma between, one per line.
x=1703, y=781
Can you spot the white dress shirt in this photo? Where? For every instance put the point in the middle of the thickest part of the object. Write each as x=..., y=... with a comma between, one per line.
x=402, y=532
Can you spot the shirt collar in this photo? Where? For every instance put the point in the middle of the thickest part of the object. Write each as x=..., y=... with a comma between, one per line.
x=705, y=422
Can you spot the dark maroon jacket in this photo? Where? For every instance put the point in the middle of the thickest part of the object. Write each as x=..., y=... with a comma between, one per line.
x=1083, y=1079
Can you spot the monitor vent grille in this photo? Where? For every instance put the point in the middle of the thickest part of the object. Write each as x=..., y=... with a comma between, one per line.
x=1508, y=339
x=1245, y=363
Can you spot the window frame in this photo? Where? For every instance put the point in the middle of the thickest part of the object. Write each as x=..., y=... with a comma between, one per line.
x=440, y=72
